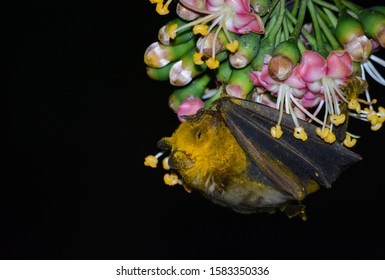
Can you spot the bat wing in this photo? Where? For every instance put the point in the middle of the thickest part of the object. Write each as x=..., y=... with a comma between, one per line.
x=287, y=164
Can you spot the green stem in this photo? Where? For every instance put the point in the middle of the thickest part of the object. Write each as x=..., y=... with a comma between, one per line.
x=341, y=7
x=286, y=28
x=328, y=34
x=301, y=46
x=333, y=19
x=316, y=26
x=326, y=5
x=294, y=11
x=300, y=20
x=270, y=25
x=273, y=11
x=310, y=38
x=324, y=17
x=274, y=31
x=351, y=6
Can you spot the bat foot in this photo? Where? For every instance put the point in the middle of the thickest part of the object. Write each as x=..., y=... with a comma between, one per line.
x=295, y=210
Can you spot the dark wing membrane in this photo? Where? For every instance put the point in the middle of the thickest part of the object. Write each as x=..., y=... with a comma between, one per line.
x=288, y=164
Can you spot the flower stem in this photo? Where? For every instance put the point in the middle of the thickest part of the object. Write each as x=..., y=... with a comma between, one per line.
x=294, y=10
x=341, y=7
x=316, y=26
x=300, y=20
x=328, y=33
x=326, y=5
x=351, y=6
x=333, y=19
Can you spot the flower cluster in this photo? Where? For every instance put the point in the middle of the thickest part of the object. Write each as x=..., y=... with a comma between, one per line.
x=306, y=58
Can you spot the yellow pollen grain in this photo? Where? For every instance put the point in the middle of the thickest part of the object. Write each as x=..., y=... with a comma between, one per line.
x=323, y=133
x=170, y=179
x=232, y=47
x=330, y=138
x=337, y=119
x=354, y=105
x=212, y=63
x=198, y=58
x=381, y=113
x=151, y=161
x=156, y=1
x=171, y=30
x=165, y=164
x=371, y=116
x=161, y=9
x=276, y=131
x=201, y=29
x=349, y=141
x=376, y=127
x=300, y=133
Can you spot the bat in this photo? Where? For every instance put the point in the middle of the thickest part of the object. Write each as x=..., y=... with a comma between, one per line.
x=227, y=154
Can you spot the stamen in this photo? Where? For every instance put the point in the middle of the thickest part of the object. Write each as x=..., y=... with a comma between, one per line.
x=201, y=29
x=369, y=67
x=363, y=67
x=374, y=101
x=165, y=164
x=232, y=47
x=276, y=131
x=151, y=160
x=349, y=141
x=198, y=58
x=337, y=119
x=198, y=21
x=303, y=109
x=171, y=31
x=300, y=133
x=212, y=63
x=171, y=179
x=162, y=10
x=330, y=138
x=376, y=127
x=354, y=105
x=371, y=116
x=381, y=113
x=322, y=132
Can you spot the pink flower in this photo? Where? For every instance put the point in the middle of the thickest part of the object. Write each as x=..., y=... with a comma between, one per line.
x=288, y=94
x=236, y=14
x=313, y=67
x=189, y=106
x=323, y=78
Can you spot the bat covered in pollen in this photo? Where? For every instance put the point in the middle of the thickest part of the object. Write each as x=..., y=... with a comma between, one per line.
x=227, y=154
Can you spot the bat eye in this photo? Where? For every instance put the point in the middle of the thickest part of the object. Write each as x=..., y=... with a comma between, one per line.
x=199, y=135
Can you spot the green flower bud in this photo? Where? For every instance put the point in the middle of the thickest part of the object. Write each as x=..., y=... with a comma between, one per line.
x=196, y=89
x=380, y=9
x=261, y=6
x=288, y=49
x=348, y=28
x=183, y=35
x=247, y=50
x=374, y=24
x=223, y=72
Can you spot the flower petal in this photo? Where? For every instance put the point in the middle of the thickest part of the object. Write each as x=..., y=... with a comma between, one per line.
x=243, y=23
x=312, y=66
x=195, y=5
x=339, y=64
x=189, y=106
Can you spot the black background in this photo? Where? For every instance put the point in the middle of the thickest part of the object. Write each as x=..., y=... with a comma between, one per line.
x=80, y=116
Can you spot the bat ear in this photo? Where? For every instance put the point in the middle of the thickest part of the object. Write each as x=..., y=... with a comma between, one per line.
x=164, y=143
